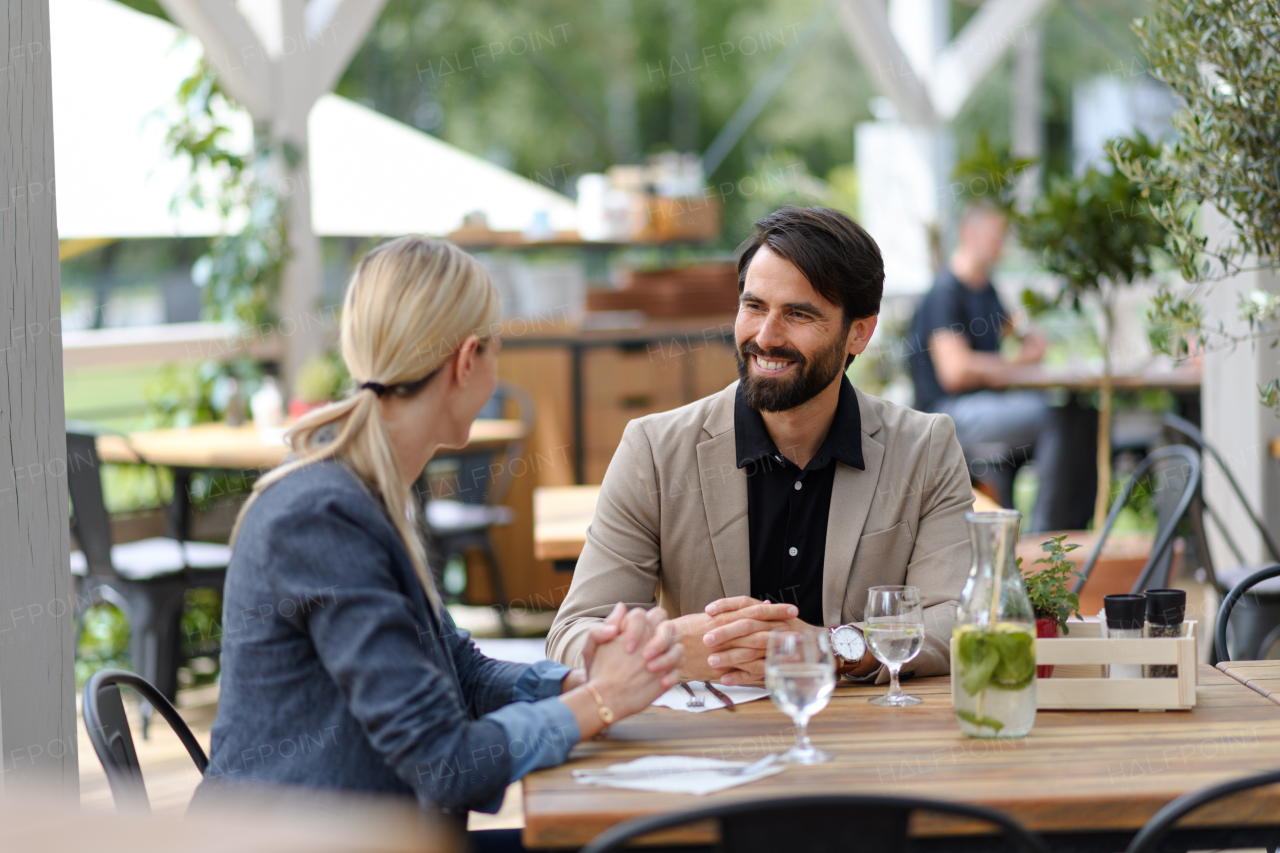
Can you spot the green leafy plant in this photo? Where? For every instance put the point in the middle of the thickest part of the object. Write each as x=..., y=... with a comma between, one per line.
x=1096, y=233
x=990, y=173
x=323, y=377
x=1049, y=588
x=240, y=274
x=1220, y=58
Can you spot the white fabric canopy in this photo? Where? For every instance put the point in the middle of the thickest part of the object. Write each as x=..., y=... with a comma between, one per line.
x=115, y=77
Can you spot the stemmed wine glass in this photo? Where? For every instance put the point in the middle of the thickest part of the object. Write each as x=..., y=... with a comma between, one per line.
x=800, y=672
x=894, y=627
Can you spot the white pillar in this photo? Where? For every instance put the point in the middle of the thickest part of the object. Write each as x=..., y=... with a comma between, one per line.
x=300, y=287
x=37, y=668
x=1238, y=425
x=1027, y=109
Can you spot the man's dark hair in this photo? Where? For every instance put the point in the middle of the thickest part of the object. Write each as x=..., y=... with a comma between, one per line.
x=834, y=253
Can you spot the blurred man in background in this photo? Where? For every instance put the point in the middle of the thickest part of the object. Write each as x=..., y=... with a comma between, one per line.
x=957, y=367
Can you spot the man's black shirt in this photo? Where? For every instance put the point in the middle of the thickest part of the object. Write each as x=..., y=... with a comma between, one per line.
x=950, y=305
x=787, y=508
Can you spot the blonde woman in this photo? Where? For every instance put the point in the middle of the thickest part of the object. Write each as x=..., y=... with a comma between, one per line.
x=340, y=667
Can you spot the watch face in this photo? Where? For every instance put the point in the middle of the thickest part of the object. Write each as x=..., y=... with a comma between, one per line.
x=847, y=642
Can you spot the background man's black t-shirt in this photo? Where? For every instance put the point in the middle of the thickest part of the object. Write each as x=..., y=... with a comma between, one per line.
x=976, y=314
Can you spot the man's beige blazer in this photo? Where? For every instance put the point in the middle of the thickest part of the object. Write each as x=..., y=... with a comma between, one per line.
x=671, y=524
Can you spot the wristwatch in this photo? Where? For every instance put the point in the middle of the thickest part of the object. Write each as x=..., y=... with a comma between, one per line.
x=849, y=646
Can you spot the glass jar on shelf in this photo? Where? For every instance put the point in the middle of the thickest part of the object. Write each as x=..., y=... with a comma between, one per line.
x=994, y=666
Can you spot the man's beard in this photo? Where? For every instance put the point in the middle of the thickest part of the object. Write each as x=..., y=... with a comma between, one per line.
x=807, y=379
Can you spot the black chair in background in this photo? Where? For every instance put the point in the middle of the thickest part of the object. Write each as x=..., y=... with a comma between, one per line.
x=147, y=579
x=1257, y=617
x=813, y=824
x=1220, y=647
x=469, y=504
x=1149, y=838
x=994, y=465
x=1184, y=480
x=108, y=729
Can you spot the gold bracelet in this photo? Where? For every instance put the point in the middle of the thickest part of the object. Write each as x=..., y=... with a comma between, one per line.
x=606, y=714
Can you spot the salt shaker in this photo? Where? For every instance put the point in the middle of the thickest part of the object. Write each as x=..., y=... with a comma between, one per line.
x=1124, y=622
x=1165, y=611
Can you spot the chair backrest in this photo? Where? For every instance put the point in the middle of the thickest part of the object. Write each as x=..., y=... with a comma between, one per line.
x=811, y=824
x=482, y=477
x=108, y=729
x=90, y=521
x=1158, y=828
x=1192, y=432
x=1229, y=603
x=1164, y=534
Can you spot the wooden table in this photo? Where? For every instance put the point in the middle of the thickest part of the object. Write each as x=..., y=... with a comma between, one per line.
x=1185, y=378
x=1087, y=780
x=1261, y=676
x=219, y=445
x=561, y=515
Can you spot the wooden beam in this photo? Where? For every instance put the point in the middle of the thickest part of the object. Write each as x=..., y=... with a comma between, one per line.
x=996, y=27
x=867, y=27
x=37, y=667
x=232, y=48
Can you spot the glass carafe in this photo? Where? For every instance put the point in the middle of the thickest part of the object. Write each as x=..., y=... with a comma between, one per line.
x=993, y=669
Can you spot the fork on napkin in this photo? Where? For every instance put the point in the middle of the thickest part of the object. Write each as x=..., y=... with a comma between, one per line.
x=678, y=699
x=682, y=774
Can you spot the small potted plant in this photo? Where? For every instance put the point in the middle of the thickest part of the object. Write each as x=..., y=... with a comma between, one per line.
x=319, y=382
x=1050, y=593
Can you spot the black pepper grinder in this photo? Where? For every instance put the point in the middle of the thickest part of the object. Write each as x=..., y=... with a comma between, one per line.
x=1165, y=611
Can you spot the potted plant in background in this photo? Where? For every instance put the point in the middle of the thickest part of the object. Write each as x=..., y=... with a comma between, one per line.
x=1095, y=232
x=319, y=382
x=1050, y=592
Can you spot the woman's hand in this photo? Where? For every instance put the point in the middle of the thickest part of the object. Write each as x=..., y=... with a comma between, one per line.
x=629, y=671
x=602, y=633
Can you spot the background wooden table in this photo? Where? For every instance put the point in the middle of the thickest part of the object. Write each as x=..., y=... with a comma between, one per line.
x=1183, y=378
x=1077, y=772
x=219, y=445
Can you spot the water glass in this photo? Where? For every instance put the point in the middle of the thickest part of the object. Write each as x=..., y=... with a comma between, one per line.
x=894, y=628
x=800, y=672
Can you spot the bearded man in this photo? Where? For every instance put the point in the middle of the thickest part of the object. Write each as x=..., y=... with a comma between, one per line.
x=782, y=499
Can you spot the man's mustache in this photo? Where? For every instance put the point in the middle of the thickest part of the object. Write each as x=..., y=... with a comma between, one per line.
x=752, y=348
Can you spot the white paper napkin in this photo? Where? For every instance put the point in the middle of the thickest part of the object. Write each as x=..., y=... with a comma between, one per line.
x=678, y=698
x=681, y=774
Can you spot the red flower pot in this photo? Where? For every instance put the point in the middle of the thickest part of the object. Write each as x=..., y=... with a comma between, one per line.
x=1046, y=628
x=299, y=407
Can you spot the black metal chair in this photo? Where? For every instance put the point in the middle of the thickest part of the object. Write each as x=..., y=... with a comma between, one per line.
x=108, y=730
x=1228, y=604
x=1257, y=618
x=1150, y=577
x=461, y=519
x=1149, y=838
x=994, y=465
x=813, y=824
x=147, y=579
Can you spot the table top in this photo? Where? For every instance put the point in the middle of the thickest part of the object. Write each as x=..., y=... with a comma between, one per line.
x=1184, y=377
x=1261, y=676
x=218, y=445
x=1077, y=770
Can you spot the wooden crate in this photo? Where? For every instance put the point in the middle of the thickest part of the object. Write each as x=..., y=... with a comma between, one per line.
x=1078, y=660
